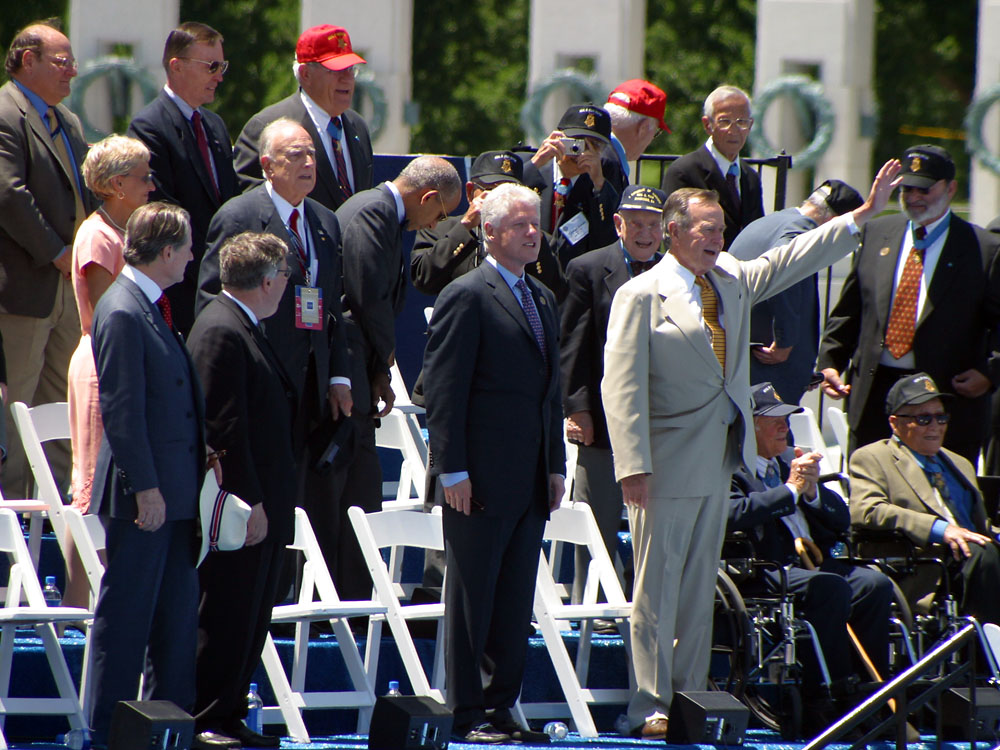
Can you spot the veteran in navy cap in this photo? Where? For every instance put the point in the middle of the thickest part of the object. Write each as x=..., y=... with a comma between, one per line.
x=593, y=279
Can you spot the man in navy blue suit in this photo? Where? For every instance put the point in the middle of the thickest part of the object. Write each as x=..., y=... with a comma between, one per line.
x=148, y=476
x=498, y=459
x=793, y=521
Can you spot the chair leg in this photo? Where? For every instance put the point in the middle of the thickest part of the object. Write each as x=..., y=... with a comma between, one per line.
x=356, y=670
x=287, y=703
x=565, y=671
x=61, y=675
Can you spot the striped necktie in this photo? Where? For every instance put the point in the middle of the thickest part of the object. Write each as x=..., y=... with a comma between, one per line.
x=903, y=318
x=59, y=144
x=710, y=312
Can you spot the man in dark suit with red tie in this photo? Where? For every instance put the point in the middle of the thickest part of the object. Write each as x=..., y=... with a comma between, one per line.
x=717, y=165
x=495, y=423
x=191, y=155
x=250, y=405
x=325, y=66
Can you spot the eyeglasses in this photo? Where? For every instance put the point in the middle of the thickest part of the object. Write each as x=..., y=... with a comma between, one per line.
x=214, y=66
x=286, y=272
x=64, y=63
x=917, y=190
x=147, y=177
x=444, y=211
x=925, y=419
x=351, y=70
x=743, y=123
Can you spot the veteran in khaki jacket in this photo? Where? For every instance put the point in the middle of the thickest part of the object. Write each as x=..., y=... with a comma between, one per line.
x=678, y=410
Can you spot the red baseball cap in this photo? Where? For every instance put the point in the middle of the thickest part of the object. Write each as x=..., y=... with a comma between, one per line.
x=642, y=97
x=327, y=45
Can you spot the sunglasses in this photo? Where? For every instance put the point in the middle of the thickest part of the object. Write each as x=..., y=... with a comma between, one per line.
x=214, y=66
x=925, y=419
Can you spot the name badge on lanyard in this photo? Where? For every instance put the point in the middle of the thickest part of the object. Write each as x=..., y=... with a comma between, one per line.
x=309, y=307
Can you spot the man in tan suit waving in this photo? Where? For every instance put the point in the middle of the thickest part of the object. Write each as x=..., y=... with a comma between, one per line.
x=677, y=397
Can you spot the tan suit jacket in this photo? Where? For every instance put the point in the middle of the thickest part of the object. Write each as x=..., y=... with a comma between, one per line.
x=37, y=208
x=669, y=405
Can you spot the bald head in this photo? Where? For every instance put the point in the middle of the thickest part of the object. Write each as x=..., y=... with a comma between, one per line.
x=431, y=189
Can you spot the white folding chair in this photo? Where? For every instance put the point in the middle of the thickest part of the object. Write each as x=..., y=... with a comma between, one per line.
x=376, y=531
x=22, y=584
x=837, y=418
x=88, y=536
x=291, y=694
x=400, y=430
x=37, y=425
x=574, y=524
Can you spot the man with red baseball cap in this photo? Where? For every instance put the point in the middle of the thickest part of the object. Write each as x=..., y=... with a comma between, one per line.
x=636, y=108
x=325, y=66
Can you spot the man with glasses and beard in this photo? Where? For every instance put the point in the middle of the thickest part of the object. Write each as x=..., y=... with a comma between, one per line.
x=923, y=295
x=911, y=484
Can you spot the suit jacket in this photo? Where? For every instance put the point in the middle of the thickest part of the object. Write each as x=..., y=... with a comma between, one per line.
x=374, y=286
x=758, y=509
x=599, y=208
x=593, y=279
x=962, y=309
x=443, y=253
x=250, y=404
x=254, y=211
x=151, y=405
x=327, y=190
x=668, y=403
x=181, y=177
x=37, y=208
x=493, y=408
x=790, y=318
x=698, y=169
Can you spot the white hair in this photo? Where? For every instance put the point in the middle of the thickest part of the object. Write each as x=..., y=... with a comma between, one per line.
x=723, y=92
x=501, y=200
x=622, y=117
x=267, y=135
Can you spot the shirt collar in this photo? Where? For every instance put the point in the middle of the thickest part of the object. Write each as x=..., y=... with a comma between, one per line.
x=36, y=101
x=149, y=287
x=244, y=308
x=186, y=109
x=672, y=265
x=283, y=207
x=935, y=224
x=721, y=160
x=763, y=463
x=400, y=208
x=320, y=117
x=510, y=278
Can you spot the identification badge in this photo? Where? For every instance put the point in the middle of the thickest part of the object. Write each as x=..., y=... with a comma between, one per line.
x=309, y=308
x=575, y=229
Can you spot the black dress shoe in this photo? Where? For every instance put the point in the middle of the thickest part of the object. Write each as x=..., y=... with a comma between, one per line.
x=484, y=734
x=209, y=739
x=250, y=738
x=507, y=725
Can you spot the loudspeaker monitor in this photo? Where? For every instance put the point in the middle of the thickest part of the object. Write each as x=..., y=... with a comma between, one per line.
x=409, y=722
x=706, y=718
x=150, y=725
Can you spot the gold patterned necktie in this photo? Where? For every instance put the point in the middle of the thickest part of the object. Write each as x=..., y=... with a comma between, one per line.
x=710, y=311
x=903, y=318
x=55, y=130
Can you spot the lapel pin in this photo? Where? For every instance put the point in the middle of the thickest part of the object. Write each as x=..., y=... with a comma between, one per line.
x=884, y=251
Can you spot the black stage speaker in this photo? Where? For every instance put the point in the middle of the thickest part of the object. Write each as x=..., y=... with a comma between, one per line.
x=149, y=725
x=409, y=722
x=706, y=718
x=956, y=706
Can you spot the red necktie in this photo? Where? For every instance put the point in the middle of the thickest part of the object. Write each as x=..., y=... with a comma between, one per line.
x=300, y=251
x=164, y=304
x=335, y=128
x=559, y=200
x=199, y=134
x=903, y=318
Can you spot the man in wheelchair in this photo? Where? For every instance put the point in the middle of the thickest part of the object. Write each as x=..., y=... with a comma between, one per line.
x=910, y=484
x=794, y=522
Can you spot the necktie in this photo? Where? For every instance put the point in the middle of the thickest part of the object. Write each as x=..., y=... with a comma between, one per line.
x=641, y=266
x=732, y=175
x=335, y=128
x=164, y=304
x=55, y=130
x=710, y=312
x=202, y=139
x=903, y=318
x=531, y=313
x=771, y=478
x=559, y=200
x=300, y=251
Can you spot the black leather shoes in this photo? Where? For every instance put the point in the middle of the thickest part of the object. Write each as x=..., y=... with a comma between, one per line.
x=249, y=738
x=484, y=734
x=508, y=726
x=212, y=740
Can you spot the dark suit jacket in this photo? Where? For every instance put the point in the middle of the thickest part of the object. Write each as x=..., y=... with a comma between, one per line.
x=757, y=509
x=593, y=279
x=254, y=211
x=374, y=286
x=37, y=209
x=493, y=409
x=327, y=190
x=181, y=177
x=599, y=208
x=791, y=317
x=962, y=309
x=445, y=252
x=250, y=403
x=152, y=407
x=699, y=170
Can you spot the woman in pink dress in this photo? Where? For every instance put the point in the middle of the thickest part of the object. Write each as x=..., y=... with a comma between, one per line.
x=117, y=171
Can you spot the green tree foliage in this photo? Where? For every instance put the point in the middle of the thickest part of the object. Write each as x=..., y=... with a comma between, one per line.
x=260, y=46
x=16, y=16
x=470, y=66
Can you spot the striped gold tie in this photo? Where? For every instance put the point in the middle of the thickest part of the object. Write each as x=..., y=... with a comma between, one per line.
x=710, y=311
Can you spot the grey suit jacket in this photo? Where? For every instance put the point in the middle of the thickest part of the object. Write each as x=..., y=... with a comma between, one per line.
x=37, y=209
x=327, y=190
x=669, y=405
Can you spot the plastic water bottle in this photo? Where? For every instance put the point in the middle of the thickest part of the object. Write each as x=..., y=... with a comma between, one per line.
x=75, y=739
x=556, y=730
x=622, y=725
x=393, y=689
x=255, y=706
x=53, y=597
